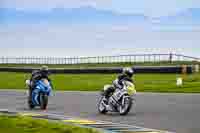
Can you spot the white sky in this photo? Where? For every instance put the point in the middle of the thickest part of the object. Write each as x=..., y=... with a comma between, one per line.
x=94, y=40
x=88, y=41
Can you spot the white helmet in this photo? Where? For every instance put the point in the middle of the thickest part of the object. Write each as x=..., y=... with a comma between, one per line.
x=128, y=71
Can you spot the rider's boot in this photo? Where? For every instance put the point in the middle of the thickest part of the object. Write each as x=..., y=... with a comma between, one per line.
x=108, y=93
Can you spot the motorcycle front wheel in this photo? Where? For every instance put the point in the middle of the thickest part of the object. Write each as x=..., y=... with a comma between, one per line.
x=29, y=100
x=125, y=107
x=30, y=104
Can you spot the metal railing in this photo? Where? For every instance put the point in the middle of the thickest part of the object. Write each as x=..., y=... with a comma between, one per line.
x=137, y=58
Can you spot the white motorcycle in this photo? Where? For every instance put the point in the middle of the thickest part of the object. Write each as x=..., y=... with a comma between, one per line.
x=120, y=101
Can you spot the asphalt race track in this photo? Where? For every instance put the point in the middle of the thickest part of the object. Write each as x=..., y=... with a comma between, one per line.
x=172, y=112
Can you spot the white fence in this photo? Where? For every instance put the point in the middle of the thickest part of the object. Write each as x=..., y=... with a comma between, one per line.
x=99, y=59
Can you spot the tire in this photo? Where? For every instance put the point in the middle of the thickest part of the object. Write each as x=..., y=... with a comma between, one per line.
x=30, y=103
x=43, y=98
x=129, y=103
x=101, y=107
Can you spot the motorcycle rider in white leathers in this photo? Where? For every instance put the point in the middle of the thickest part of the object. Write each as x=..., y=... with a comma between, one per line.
x=118, y=83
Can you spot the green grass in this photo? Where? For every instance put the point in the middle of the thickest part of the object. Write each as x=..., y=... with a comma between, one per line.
x=94, y=82
x=18, y=124
x=163, y=63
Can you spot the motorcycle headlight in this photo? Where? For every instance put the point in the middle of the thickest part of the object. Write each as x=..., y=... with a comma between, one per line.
x=131, y=90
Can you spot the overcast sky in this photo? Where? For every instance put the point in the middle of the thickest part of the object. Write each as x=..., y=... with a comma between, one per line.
x=95, y=40
x=89, y=40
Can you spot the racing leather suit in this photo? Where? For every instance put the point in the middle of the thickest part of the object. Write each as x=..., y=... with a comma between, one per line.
x=117, y=83
x=37, y=75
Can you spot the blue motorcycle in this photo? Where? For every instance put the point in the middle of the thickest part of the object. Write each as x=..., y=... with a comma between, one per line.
x=40, y=94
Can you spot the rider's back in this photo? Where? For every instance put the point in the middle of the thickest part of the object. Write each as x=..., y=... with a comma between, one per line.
x=38, y=74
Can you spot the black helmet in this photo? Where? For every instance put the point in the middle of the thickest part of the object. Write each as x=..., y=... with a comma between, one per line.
x=128, y=71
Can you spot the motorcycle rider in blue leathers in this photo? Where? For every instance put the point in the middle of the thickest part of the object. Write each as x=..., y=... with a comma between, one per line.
x=36, y=76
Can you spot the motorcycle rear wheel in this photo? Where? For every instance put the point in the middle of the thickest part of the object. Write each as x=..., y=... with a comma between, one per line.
x=43, y=98
x=101, y=106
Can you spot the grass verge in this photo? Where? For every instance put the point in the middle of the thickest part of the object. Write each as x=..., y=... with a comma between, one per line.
x=94, y=82
x=19, y=124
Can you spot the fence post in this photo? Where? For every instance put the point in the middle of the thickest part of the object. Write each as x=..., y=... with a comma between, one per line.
x=110, y=58
x=130, y=57
x=170, y=57
x=149, y=58
x=179, y=57
x=98, y=59
x=159, y=57
x=7, y=60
